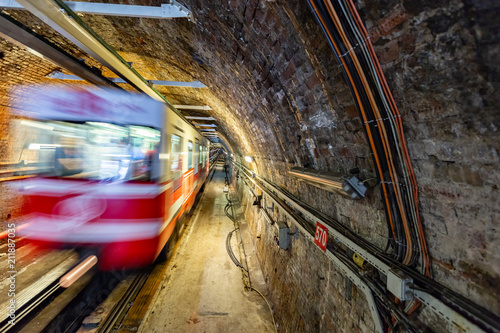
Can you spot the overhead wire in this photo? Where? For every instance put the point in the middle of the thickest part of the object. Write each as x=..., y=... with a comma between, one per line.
x=358, y=101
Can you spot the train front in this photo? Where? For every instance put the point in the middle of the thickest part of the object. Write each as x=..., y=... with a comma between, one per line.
x=94, y=156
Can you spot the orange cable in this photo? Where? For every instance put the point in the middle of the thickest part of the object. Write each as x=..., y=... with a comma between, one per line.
x=382, y=130
x=372, y=144
x=397, y=116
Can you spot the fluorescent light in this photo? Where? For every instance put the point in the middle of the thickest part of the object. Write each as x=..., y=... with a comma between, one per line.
x=193, y=107
x=144, y=132
x=38, y=146
x=36, y=124
x=205, y=125
x=249, y=159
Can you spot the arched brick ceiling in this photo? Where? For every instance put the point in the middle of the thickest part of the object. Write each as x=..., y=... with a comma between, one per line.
x=278, y=93
x=266, y=66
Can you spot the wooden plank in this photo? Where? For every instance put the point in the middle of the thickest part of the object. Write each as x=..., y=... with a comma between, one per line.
x=141, y=304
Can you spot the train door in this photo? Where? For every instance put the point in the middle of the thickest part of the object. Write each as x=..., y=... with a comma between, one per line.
x=196, y=157
x=202, y=159
x=205, y=157
x=190, y=173
x=176, y=164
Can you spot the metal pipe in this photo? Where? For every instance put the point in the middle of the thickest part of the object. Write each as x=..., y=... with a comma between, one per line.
x=331, y=181
x=77, y=272
x=165, y=11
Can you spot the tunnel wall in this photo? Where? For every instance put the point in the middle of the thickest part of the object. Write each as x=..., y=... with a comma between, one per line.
x=440, y=61
x=306, y=290
x=16, y=67
x=279, y=95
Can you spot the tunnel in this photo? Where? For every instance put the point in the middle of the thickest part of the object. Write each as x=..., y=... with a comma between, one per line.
x=355, y=147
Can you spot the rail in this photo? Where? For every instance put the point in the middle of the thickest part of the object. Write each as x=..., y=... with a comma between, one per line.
x=30, y=300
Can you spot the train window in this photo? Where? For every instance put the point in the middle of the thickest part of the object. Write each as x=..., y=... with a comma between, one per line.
x=88, y=150
x=175, y=153
x=196, y=157
x=190, y=155
x=203, y=159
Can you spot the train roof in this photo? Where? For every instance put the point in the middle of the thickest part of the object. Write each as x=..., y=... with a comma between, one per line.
x=77, y=104
x=91, y=104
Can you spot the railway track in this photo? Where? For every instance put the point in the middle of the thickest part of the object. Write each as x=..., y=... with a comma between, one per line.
x=116, y=316
x=128, y=313
x=32, y=299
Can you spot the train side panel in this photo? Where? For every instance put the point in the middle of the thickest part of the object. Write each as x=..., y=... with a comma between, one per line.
x=183, y=172
x=125, y=221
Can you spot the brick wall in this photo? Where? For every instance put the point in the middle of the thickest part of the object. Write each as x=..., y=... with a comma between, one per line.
x=17, y=67
x=279, y=95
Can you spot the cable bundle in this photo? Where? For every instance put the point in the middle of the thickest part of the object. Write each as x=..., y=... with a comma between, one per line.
x=383, y=127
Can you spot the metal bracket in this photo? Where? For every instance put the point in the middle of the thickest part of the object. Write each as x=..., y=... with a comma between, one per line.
x=354, y=188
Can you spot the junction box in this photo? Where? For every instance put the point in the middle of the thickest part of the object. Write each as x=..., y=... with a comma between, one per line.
x=398, y=284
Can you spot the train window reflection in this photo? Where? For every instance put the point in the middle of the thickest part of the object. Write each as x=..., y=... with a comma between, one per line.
x=175, y=155
x=196, y=157
x=202, y=157
x=87, y=150
x=190, y=154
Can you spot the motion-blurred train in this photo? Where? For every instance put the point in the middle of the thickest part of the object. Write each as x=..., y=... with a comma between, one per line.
x=115, y=172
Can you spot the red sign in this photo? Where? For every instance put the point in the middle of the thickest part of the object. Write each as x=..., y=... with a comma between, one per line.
x=321, y=236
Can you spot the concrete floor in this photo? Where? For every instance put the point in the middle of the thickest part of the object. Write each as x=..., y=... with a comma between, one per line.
x=203, y=290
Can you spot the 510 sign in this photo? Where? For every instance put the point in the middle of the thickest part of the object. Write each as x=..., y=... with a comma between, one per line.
x=321, y=236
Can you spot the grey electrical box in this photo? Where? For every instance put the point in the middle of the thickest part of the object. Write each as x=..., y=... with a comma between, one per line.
x=398, y=284
x=354, y=188
x=283, y=235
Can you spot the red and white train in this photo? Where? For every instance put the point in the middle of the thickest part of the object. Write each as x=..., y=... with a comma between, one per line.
x=115, y=172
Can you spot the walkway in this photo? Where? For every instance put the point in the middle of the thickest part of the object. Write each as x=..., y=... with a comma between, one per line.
x=203, y=290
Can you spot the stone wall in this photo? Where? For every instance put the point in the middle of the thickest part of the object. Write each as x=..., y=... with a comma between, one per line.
x=279, y=95
x=307, y=291
x=441, y=62
x=16, y=67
